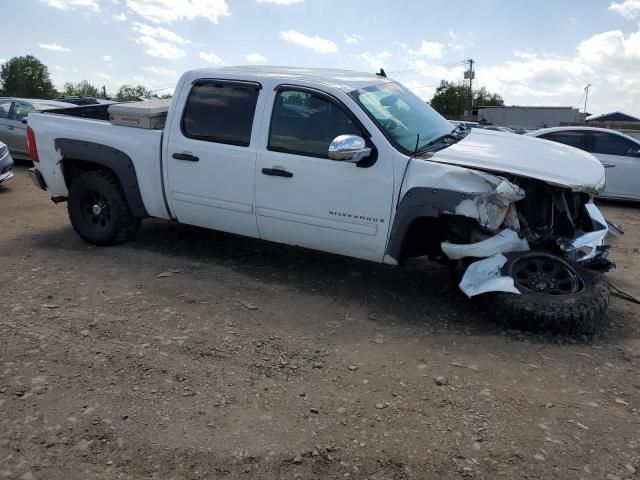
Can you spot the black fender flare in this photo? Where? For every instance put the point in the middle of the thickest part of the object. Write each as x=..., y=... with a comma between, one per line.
x=416, y=203
x=112, y=158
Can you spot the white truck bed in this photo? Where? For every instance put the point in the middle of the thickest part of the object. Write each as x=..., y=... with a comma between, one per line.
x=141, y=145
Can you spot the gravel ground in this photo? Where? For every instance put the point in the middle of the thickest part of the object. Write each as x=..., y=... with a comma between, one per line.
x=191, y=354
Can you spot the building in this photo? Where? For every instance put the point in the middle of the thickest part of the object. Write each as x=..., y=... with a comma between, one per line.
x=619, y=121
x=617, y=117
x=522, y=117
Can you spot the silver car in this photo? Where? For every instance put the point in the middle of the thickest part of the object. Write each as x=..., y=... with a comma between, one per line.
x=6, y=163
x=13, y=121
x=619, y=153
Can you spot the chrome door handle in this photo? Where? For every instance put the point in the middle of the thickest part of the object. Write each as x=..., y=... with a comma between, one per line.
x=608, y=165
x=11, y=127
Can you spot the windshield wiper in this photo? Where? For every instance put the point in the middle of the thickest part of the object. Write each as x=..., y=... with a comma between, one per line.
x=455, y=134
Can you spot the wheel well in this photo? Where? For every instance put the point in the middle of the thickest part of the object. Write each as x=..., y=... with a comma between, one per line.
x=72, y=167
x=425, y=234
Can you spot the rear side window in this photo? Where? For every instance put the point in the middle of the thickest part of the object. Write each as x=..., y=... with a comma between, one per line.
x=20, y=111
x=571, y=138
x=303, y=123
x=220, y=112
x=610, y=144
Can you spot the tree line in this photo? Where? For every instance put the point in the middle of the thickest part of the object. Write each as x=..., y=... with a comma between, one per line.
x=28, y=77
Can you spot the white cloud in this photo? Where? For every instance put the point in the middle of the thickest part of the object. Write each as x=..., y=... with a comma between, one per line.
x=159, y=33
x=168, y=11
x=121, y=17
x=3, y=60
x=375, y=60
x=429, y=50
x=59, y=68
x=280, y=2
x=107, y=58
x=211, y=58
x=400, y=44
x=255, y=58
x=71, y=4
x=352, y=39
x=629, y=9
x=159, y=42
x=316, y=43
x=54, y=47
x=160, y=71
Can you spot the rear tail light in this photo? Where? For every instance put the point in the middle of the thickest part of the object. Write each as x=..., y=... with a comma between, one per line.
x=31, y=143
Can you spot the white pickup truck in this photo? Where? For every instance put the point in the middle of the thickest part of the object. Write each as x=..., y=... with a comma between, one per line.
x=349, y=163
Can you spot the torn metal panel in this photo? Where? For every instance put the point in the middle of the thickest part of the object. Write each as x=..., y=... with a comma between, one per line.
x=490, y=207
x=486, y=276
x=504, y=242
x=586, y=246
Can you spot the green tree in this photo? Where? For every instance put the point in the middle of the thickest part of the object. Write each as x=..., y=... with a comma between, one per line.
x=83, y=88
x=127, y=93
x=26, y=77
x=453, y=98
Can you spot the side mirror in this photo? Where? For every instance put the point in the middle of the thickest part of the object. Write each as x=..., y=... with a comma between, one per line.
x=24, y=120
x=348, y=148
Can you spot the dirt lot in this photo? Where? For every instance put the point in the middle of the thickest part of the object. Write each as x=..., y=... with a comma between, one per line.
x=195, y=354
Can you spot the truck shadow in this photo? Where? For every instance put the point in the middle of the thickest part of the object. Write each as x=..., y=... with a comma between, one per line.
x=419, y=294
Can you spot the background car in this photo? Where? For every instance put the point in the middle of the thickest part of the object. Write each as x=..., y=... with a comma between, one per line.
x=13, y=121
x=619, y=153
x=6, y=163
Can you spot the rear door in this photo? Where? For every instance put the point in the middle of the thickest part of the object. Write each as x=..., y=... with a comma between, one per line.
x=211, y=155
x=304, y=198
x=621, y=158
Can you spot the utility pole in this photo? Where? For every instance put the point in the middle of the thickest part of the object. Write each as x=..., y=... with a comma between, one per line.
x=470, y=75
x=586, y=97
x=104, y=92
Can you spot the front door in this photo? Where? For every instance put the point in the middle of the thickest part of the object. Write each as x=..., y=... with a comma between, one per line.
x=304, y=198
x=620, y=157
x=211, y=156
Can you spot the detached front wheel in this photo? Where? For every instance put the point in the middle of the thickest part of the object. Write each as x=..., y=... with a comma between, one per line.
x=98, y=209
x=556, y=295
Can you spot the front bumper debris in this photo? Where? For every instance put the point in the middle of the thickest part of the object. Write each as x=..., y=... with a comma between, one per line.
x=486, y=276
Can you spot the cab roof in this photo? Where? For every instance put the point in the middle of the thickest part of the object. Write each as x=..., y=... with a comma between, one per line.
x=346, y=80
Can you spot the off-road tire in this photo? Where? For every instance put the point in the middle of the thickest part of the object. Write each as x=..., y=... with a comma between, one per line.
x=577, y=313
x=120, y=225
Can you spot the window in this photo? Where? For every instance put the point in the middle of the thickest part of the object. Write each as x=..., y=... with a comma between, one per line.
x=5, y=107
x=304, y=123
x=20, y=111
x=611, y=144
x=406, y=120
x=220, y=112
x=569, y=137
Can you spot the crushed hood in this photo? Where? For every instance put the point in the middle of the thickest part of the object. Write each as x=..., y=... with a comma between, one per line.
x=523, y=156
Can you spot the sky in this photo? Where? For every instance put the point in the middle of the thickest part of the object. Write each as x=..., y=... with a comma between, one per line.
x=531, y=53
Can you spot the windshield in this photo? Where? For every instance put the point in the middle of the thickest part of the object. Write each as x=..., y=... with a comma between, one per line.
x=401, y=115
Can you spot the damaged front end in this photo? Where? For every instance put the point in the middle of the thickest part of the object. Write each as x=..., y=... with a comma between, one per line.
x=520, y=215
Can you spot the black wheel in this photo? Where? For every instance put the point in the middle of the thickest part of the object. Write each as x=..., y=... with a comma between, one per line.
x=556, y=295
x=98, y=209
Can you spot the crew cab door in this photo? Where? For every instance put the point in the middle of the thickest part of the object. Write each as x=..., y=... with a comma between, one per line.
x=12, y=131
x=304, y=198
x=211, y=155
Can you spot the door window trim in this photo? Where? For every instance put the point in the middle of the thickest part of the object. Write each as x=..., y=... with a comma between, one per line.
x=340, y=105
x=224, y=82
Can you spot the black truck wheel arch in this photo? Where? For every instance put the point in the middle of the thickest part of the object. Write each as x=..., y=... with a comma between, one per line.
x=112, y=158
x=417, y=203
